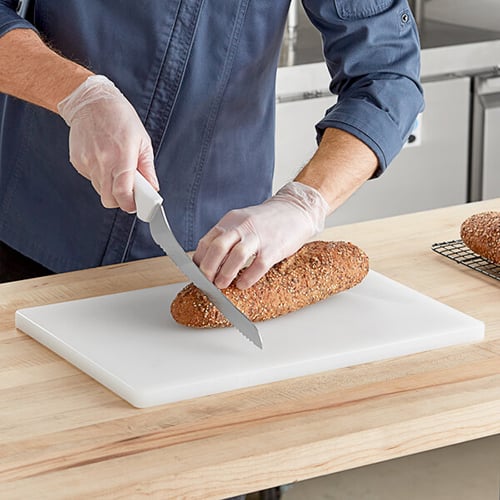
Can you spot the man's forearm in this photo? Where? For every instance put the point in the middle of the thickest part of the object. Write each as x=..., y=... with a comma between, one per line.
x=33, y=72
x=339, y=167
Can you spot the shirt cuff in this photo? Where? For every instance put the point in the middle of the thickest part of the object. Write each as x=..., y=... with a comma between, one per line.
x=368, y=123
x=10, y=21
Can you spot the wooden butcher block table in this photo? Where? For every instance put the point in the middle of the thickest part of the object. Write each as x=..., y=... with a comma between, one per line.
x=63, y=435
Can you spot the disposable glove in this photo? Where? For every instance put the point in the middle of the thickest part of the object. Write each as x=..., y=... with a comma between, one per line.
x=107, y=141
x=268, y=232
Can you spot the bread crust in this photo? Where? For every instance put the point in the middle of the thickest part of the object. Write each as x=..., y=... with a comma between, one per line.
x=319, y=269
x=481, y=233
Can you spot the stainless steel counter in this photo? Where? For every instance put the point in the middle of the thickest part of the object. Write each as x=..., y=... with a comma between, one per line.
x=439, y=34
x=446, y=48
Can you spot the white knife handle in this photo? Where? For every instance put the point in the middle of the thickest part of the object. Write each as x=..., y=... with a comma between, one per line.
x=147, y=200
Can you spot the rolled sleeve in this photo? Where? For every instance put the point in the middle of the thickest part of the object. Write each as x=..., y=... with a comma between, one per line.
x=372, y=52
x=9, y=19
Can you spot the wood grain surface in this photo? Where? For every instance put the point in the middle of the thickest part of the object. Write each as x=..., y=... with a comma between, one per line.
x=62, y=435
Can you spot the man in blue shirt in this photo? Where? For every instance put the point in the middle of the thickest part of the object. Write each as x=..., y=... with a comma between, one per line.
x=183, y=91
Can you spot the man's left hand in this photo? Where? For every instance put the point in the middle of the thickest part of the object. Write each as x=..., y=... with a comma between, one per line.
x=268, y=233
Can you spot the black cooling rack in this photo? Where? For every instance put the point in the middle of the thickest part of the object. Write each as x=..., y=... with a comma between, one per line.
x=457, y=251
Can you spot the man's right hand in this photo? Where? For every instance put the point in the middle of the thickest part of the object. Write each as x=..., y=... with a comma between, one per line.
x=107, y=141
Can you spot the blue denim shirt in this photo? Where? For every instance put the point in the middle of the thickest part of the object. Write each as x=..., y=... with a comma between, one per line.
x=201, y=75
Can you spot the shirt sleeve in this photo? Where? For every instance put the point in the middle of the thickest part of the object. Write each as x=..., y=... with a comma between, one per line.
x=9, y=19
x=372, y=51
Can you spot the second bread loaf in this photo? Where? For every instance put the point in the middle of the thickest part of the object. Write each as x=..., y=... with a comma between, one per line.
x=481, y=233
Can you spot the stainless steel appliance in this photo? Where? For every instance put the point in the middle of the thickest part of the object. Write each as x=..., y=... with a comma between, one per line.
x=485, y=139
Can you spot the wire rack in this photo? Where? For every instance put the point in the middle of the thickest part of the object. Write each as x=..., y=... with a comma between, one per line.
x=457, y=251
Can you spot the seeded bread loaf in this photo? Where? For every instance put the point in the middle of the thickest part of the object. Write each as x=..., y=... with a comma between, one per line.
x=481, y=233
x=319, y=269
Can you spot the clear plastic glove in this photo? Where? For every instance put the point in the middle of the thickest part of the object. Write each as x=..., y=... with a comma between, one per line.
x=107, y=141
x=268, y=232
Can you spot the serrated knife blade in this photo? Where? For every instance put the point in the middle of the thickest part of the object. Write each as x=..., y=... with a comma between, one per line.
x=150, y=209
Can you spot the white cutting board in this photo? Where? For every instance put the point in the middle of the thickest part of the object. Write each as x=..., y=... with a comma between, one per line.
x=130, y=344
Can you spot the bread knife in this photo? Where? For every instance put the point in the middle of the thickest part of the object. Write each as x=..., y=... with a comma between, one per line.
x=150, y=209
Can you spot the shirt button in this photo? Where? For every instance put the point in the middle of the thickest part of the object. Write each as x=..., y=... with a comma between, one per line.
x=405, y=18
